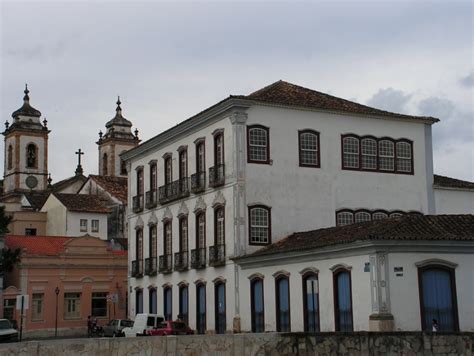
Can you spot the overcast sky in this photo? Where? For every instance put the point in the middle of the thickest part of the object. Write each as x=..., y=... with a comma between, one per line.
x=169, y=61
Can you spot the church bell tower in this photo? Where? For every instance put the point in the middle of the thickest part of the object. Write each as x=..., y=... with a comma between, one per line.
x=117, y=139
x=26, y=151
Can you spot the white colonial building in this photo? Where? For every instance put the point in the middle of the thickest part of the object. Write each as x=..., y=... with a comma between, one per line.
x=248, y=172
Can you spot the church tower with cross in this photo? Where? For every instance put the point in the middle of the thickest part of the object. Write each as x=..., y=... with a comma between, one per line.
x=26, y=152
x=117, y=139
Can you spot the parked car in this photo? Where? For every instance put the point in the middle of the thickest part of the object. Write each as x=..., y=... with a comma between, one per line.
x=7, y=332
x=115, y=327
x=142, y=323
x=169, y=327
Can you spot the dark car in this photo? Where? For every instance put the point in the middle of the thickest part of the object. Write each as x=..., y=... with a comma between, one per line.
x=171, y=328
x=114, y=327
x=7, y=332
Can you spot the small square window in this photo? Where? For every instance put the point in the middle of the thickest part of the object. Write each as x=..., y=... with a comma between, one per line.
x=95, y=225
x=83, y=225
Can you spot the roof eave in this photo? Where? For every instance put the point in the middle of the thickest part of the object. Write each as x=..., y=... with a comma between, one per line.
x=394, y=116
x=218, y=109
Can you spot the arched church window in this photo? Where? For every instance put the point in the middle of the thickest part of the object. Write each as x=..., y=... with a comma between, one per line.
x=31, y=156
x=10, y=157
x=104, y=164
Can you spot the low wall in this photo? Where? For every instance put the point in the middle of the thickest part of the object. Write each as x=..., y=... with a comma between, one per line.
x=354, y=344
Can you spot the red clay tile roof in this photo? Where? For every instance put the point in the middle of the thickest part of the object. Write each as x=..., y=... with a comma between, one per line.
x=37, y=199
x=116, y=186
x=287, y=94
x=37, y=245
x=449, y=182
x=408, y=227
x=83, y=203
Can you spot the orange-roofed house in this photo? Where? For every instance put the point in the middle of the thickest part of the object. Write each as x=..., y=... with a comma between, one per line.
x=90, y=278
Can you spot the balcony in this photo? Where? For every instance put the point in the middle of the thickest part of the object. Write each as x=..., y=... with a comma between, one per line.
x=175, y=190
x=137, y=268
x=137, y=203
x=198, y=258
x=217, y=175
x=181, y=262
x=198, y=182
x=151, y=199
x=217, y=255
x=150, y=266
x=166, y=264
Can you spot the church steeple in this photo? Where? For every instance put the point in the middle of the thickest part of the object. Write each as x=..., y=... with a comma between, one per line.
x=26, y=150
x=117, y=139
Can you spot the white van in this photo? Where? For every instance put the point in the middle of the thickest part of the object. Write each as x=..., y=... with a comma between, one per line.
x=142, y=323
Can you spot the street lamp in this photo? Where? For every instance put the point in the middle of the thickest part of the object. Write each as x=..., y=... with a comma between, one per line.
x=56, y=325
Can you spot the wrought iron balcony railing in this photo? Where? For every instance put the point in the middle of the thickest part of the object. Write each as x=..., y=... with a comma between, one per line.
x=174, y=190
x=217, y=255
x=217, y=175
x=151, y=199
x=137, y=268
x=165, y=264
x=181, y=261
x=150, y=266
x=137, y=203
x=198, y=258
x=198, y=182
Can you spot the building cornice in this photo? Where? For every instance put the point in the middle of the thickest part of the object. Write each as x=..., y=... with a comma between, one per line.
x=440, y=187
x=355, y=249
x=208, y=116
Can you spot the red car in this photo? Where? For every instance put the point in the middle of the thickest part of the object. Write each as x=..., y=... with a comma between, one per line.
x=169, y=327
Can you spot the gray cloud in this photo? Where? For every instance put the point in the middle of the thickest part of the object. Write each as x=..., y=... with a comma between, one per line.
x=391, y=100
x=468, y=80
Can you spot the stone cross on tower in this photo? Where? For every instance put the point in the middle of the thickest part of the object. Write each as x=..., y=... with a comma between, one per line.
x=79, y=169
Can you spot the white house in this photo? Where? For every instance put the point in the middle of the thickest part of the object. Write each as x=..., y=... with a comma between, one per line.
x=453, y=196
x=76, y=215
x=248, y=172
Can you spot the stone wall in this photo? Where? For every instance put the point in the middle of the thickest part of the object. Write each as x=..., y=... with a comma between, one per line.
x=268, y=344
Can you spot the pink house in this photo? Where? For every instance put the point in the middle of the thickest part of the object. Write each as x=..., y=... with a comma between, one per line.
x=66, y=279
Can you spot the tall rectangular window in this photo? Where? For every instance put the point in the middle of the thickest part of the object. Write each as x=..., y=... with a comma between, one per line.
x=167, y=238
x=183, y=234
x=152, y=308
x=37, y=304
x=168, y=170
x=140, y=187
x=72, y=305
x=201, y=230
x=153, y=244
x=95, y=225
x=257, y=305
x=259, y=225
x=343, y=300
x=283, y=304
x=309, y=148
x=99, y=304
x=219, y=149
x=200, y=157
x=168, y=303
x=184, y=304
x=139, y=244
x=138, y=301
x=83, y=225
x=183, y=164
x=258, y=144
x=153, y=176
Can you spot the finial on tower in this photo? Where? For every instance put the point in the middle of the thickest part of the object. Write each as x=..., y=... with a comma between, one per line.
x=26, y=91
x=100, y=135
x=7, y=125
x=119, y=109
x=136, y=133
x=49, y=180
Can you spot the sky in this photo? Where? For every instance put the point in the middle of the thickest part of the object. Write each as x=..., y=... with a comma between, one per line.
x=170, y=60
